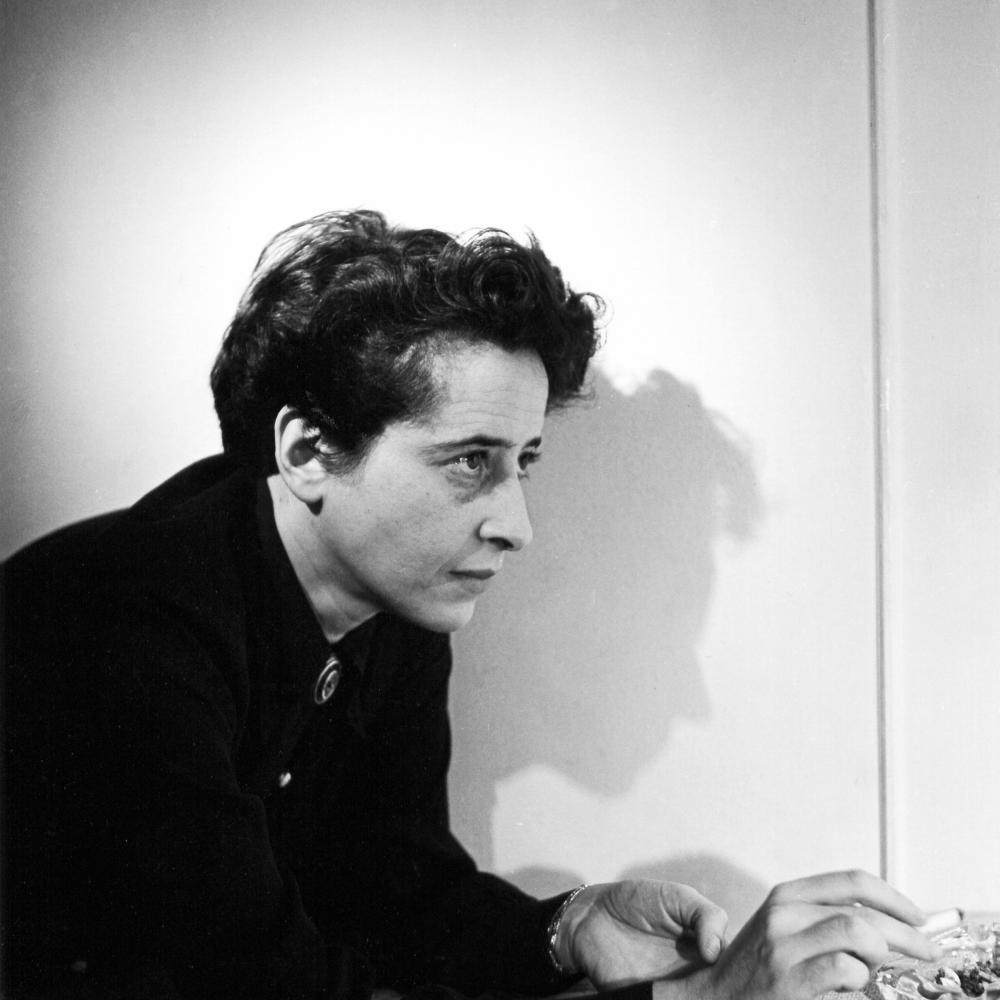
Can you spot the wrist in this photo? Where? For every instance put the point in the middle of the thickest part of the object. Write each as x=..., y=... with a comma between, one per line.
x=569, y=944
x=560, y=935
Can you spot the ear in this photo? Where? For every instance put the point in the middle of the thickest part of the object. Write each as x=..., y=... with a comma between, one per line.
x=297, y=456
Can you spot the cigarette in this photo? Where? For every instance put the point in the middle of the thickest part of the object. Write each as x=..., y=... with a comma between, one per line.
x=943, y=920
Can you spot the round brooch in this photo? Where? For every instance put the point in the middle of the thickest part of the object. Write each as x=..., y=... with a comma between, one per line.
x=326, y=683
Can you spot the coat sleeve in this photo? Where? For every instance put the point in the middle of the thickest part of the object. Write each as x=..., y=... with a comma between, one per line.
x=441, y=920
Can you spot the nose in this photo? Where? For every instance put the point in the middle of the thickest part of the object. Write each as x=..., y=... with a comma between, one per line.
x=507, y=523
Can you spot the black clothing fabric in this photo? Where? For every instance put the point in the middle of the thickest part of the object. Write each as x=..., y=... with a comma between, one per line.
x=181, y=812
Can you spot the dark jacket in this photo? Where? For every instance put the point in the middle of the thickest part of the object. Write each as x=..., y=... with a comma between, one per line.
x=179, y=807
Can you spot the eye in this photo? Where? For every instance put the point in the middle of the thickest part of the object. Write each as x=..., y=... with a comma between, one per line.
x=471, y=462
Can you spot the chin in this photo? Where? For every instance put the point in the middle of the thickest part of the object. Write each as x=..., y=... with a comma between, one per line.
x=448, y=618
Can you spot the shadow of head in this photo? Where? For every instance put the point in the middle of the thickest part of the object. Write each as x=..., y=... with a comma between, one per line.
x=587, y=649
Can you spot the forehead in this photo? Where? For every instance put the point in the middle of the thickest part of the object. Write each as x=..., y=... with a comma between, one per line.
x=487, y=389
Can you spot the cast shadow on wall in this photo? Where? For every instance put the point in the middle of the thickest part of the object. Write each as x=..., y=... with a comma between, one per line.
x=586, y=651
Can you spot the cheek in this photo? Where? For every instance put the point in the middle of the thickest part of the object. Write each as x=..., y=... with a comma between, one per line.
x=432, y=538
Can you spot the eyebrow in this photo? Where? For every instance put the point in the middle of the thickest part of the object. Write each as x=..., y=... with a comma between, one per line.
x=480, y=441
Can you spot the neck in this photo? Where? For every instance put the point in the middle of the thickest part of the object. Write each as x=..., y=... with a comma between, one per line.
x=336, y=610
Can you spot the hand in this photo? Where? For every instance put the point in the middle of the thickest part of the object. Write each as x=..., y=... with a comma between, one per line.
x=624, y=932
x=811, y=936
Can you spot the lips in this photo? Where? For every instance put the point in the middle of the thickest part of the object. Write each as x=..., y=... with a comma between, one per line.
x=475, y=574
x=473, y=581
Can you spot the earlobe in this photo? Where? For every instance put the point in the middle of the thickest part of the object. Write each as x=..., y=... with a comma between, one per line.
x=298, y=460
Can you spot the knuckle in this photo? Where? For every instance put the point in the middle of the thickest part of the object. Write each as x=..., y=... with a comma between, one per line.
x=779, y=894
x=771, y=918
x=858, y=877
x=848, y=972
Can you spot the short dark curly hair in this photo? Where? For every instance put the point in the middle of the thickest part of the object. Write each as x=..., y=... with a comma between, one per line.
x=345, y=314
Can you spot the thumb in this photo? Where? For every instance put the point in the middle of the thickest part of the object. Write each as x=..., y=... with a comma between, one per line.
x=702, y=919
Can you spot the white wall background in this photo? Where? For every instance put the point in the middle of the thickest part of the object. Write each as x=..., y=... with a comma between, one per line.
x=942, y=348
x=682, y=676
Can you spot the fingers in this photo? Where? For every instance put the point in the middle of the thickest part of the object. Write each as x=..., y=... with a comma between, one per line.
x=698, y=916
x=900, y=937
x=797, y=950
x=847, y=888
x=894, y=916
x=848, y=933
x=785, y=920
x=818, y=934
x=837, y=953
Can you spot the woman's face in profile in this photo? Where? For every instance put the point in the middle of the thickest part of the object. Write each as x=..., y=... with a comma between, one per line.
x=423, y=525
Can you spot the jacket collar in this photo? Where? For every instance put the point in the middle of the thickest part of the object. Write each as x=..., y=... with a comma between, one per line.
x=306, y=649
